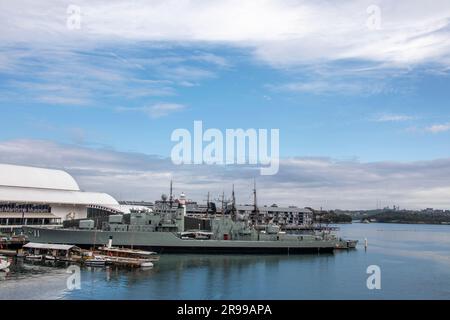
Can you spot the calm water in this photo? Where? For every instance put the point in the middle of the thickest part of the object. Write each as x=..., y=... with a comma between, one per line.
x=414, y=262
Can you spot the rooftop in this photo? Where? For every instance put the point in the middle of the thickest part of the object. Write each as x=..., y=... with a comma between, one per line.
x=31, y=177
x=30, y=195
x=49, y=246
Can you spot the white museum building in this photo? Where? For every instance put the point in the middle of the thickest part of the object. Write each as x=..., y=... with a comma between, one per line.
x=38, y=196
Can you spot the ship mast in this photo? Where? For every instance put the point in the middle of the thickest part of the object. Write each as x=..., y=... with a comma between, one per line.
x=171, y=196
x=255, y=212
x=207, y=205
x=221, y=200
x=233, y=205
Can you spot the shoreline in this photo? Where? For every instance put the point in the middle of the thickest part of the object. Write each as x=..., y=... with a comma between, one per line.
x=406, y=222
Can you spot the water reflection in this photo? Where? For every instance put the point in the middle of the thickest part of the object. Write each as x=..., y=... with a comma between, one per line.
x=429, y=242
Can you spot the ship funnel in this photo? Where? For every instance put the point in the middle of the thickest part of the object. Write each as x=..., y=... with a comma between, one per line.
x=109, y=245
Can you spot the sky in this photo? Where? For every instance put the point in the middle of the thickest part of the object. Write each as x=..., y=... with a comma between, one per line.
x=359, y=90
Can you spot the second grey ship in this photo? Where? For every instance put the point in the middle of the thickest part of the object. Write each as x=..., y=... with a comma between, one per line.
x=163, y=230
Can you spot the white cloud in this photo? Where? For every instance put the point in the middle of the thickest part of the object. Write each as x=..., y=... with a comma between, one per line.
x=60, y=100
x=145, y=48
x=331, y=86
x=281, y=32
x=316, y=182
x=438, y=128
x=82, y=78
x=77, y=78
x=157, y=110
x=387, y=117
x=211, y=58
x=163, y=109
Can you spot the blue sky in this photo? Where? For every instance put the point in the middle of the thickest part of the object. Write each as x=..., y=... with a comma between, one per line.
x=133, y=72
x=390, y=123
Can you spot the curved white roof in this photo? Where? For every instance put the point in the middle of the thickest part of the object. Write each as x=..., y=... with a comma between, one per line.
x=48, y=196
x=31, y=177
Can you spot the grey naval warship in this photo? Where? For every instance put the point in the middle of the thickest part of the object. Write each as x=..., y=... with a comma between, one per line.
x=163, y=231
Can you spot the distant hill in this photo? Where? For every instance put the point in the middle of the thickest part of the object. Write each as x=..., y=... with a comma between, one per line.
x=332, y=217
x=410, y=217
x=390, y=215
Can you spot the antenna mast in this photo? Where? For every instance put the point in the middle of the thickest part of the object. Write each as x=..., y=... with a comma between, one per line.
x=255, y=212
x=171, y=195
x=223, y=201
x=207, y=205
x=233, y=204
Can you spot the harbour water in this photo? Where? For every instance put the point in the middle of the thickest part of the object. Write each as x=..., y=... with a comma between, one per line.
x=414, y=262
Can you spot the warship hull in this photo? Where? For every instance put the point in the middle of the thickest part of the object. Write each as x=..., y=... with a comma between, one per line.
x=169, y=242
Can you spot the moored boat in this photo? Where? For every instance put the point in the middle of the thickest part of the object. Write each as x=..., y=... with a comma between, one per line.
x=154, y=232
x=127, y=257
x=147, y=264
x=34, y=257
x=95, y=261
x=4, y=263
x=163, y=231
x=117, y=252
x=346, y=244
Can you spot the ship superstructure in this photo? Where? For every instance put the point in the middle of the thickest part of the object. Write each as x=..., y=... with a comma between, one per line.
x=163, y=229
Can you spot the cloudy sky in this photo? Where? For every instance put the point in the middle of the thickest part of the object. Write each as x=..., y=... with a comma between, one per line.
x=360, y=91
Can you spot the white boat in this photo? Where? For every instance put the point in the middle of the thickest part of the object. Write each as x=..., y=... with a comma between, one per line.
x=34, y=257
x=49, y=257
x=115, y=252
x=4, y=263
x=146, y=264
x=95, y=261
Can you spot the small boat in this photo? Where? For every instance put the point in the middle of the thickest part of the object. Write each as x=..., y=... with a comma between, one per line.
x=33, y=257
x=4, y=263
x=115, y=252
x=351, y=244
x=49, y=257
x=128, y=257
x=95, y=261
x=346, y=244
x=146, y=264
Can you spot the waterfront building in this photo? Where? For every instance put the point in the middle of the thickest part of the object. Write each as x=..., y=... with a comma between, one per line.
x=38, y=196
